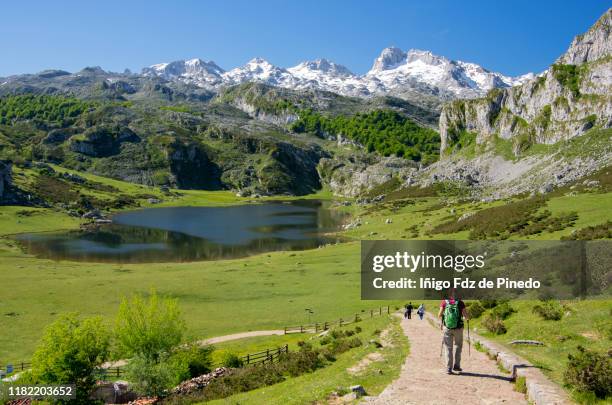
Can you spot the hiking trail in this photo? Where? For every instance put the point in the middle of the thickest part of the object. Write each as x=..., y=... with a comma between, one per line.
x=423, y=379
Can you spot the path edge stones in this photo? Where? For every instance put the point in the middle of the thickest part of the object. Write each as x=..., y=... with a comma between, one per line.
x=540, y=390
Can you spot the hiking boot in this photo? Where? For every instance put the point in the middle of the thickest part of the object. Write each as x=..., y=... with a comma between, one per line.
x=457, y=368
x=449, y=371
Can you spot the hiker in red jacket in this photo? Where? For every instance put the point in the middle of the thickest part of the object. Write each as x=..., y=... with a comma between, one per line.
x=452, y=313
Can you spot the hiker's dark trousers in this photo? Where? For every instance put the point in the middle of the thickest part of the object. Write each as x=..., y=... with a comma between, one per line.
x=453, y=336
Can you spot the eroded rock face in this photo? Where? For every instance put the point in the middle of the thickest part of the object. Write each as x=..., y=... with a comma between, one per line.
x=361, y=173
x=592, y=45
x=570, y=98
x=5, y=178
x=102, y=141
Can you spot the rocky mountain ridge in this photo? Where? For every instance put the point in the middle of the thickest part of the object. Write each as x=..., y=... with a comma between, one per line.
x=393, y=72
x=564, y=102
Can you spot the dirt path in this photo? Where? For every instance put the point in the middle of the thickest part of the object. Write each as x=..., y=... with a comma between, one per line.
x=241, y=335
x=213, y=340
x=423, y=379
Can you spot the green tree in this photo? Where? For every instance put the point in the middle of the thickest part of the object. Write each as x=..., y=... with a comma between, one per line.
x=69, y=353
x=148, y=327
x=148, y=330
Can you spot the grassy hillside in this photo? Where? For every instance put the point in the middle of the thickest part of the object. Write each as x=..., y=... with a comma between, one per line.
x=259, y=292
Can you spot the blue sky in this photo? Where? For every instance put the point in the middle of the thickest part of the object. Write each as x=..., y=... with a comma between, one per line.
x=512, y=37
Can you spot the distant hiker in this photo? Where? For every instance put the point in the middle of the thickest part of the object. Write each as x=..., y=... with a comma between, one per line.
x=421, y=311
x=452, y=311
x=408, y=313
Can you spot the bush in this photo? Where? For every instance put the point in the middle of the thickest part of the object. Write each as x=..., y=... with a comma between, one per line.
x=336, y=334
x=494, y=324
x=232, y=360
x=589, y=371
x=549, y=310
x=151, y=377
x=148, y=327
x=69, y=353
x=195, y=359
x=325, y=340
x=358, y=329
x=488, y=304
x=503, y=311
x=475, y=309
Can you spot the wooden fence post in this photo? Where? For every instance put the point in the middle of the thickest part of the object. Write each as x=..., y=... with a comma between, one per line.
x=388, y=309
x=285, y=330
x=248, y=358
x=325, y=327
x=379, y=310
x=371, y=313
x=340, y=322
x=316, y=327
x=356, y=317
x=301, y=329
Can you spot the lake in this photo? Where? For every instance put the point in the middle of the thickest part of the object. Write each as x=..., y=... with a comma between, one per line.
x=177, y=234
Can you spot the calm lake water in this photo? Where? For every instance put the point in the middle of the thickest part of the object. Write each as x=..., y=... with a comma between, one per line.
x=193, y=233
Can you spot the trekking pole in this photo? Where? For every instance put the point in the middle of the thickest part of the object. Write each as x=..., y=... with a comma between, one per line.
x=442, y=343
x=469, y=340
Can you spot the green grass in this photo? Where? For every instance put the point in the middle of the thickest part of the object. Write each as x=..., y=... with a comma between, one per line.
x=27, y=219
x=319, y=384
x=257, y=344
x=267, y=291
x=587, y=323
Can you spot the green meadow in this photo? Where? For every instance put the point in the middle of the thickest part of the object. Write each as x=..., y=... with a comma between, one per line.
x=273, y=290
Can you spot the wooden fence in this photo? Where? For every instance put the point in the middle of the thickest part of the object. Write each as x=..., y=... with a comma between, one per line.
x=20, y=366
x=322, y=326
x=251, y=359
x=265, y=356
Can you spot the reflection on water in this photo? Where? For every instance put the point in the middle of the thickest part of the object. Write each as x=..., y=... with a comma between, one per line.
x=193, y=233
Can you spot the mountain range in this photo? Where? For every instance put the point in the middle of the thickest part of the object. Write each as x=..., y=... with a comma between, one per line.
x=394, y=72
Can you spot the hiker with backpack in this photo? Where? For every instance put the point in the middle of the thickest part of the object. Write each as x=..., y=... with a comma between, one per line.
x=408, y=313
x=421, y=311
x=452, y=313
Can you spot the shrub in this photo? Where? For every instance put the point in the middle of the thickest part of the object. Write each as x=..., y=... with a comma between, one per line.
x=195, y=359
x=488, y=304
x=589, y=371
x=154, y=377
x=358, y=329
x=475, y=309
x=148, y=327
x=69, y=353
x=549, y=310
x=494, y=324
x=336, y=334
x=503, y=311
x=325, y=340
x=232, y=360
x=303, y=361
x=349, y=333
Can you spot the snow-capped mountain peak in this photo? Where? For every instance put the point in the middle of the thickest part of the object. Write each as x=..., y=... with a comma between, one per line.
x=394, y=72
x=320, y=65
x=257, y=69
x=197, y=71
x=389, y=58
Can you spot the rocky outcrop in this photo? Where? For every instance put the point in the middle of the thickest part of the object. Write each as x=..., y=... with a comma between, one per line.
x=592, y=45
x=192, y=167
x=102, y=141
x=571, y=97
x=358, y=174
x=5, y=178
